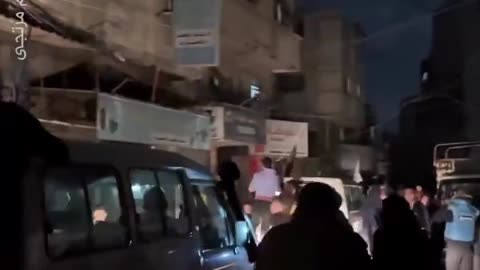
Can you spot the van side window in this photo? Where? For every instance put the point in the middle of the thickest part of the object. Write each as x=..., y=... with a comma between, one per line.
x=214, y=224
x=159, y=203
x=355, y=197
x=82, y=211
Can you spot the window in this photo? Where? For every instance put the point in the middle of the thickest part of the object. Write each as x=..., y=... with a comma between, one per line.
x=83, y=210
x=159, y=202
x=215, y=228
x=354, y=198
x=169, y=5
x=349, y=85
x=278, y=15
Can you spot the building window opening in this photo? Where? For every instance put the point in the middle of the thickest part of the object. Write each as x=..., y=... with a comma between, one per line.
x=278, y=12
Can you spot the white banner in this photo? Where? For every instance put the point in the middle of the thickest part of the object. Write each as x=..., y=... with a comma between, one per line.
x=197, y=30
x=282, y=136
x=126, y=120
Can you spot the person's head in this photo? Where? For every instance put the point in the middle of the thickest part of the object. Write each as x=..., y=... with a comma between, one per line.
x=267, y=162
x=426, y=199
x=396, y=212
x=317, y=200
x=100, y=214
x=291, y=188
x=462, y=194
x=247, y=208
x=410, y=195
x=277, y=206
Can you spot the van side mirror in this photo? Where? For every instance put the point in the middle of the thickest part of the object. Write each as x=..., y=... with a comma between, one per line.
x=241, y=233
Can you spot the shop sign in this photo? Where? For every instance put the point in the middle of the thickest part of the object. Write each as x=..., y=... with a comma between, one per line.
x=126, y=120
x=236, y=124
x=197, y=32
x=283, y=136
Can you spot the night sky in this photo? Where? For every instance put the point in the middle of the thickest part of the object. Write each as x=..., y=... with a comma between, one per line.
x=392, y=57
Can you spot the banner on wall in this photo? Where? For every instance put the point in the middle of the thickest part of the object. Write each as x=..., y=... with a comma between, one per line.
x=126, y=120
x=197, y=31
x=236, y=125
x=283, y=136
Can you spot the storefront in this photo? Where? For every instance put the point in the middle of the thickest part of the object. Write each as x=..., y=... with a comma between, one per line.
x=125, y=120
x=236, y=133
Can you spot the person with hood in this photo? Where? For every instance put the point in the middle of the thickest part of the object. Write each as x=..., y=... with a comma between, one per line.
x=317, y=237
x=229, y=174
x=400, y=243
x=370, y=212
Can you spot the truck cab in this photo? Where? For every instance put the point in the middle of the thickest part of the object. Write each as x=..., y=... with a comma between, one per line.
x=457, y=166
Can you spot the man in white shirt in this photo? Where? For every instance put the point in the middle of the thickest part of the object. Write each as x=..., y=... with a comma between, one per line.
x=264, y=187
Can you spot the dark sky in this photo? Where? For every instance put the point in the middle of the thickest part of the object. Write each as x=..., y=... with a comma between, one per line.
x=392, y=57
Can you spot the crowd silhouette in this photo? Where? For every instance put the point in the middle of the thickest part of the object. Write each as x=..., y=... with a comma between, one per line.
x=318, y=236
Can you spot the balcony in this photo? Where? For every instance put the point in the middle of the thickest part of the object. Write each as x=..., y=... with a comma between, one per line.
x=138, y=33
x=250, y=39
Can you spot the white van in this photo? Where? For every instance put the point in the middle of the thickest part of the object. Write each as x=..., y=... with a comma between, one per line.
x=352, y=197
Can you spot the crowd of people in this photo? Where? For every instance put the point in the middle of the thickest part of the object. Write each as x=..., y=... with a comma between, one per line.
x=304, y=228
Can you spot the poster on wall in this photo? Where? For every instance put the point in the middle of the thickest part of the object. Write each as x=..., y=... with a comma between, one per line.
x=283, y=136
x=197, y=30
x=125, y=120
x=235, y=125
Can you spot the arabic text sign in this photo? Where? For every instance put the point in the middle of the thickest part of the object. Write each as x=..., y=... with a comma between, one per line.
x=282, y=136
x=125, y=120
x=244, y=125
x=197, y=29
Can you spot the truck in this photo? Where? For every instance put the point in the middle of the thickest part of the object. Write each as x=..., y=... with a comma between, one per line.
x=457, y=166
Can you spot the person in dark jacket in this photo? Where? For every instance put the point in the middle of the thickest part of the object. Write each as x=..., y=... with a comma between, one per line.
x=420, y=211
x=317, y=237
x=400, y=243
x=229, y=175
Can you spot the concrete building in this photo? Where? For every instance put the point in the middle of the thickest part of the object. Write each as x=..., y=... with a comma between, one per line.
x=256, y=39
x=331, y=98
x=455, y=59
x=333, y=68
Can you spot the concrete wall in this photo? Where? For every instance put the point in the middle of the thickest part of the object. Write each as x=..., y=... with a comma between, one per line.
x=252, y=43
x=333, y=70
x=348, y=154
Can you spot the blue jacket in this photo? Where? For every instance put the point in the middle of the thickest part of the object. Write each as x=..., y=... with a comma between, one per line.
x=462, y=226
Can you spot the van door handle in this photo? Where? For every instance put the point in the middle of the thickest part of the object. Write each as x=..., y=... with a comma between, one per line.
x=236, y=250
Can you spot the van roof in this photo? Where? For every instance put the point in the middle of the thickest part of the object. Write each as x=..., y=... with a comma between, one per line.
x=134, y=155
